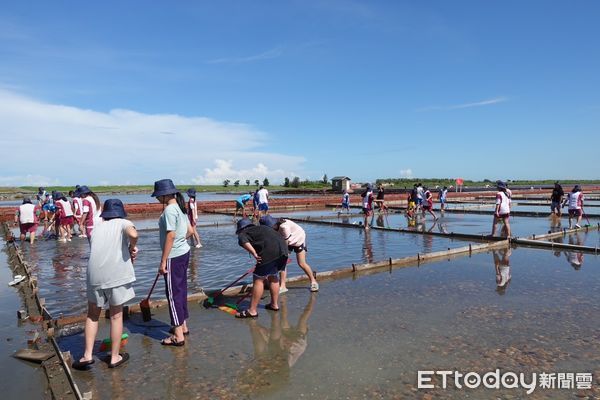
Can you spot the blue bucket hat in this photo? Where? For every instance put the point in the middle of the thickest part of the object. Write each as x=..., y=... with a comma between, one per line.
x=191, y=192
x=164, y=187
x=113, y=208
x=500, y=185
x=268, y=221
x=83, y=190
x=243, y=224
x=26, y=200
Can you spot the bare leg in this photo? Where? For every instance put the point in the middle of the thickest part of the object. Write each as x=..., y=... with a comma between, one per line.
x=32, y=237
x=274, y=289
x=258, y=288
x=91, y=330
x=507, y=227
x=570, y=219
x=301, y=258
x=282, y=278
x=116, y=330
x=433, y=214
x=494, y=226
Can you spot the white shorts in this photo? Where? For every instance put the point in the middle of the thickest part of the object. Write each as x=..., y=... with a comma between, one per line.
x=112, y=296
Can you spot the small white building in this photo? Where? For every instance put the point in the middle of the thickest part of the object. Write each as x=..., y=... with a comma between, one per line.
x=340, y=183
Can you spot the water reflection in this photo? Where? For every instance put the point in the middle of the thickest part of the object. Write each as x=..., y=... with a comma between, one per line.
x=575, y=258
x=276, y=349
x=502, y=267
x=555, y=223
x=367, y=247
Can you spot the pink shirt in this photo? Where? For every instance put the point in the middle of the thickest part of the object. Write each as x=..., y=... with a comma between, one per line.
x=292, y=233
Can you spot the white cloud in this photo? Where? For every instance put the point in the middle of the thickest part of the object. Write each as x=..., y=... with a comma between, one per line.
x=406, y=173
x=487, y=102
x=224, y=170
x=67, y=145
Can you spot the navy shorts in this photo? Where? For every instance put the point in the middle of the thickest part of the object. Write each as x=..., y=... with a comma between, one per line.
x=555, y=206
x=263, y=207
x=271, y=268
x=298, y=249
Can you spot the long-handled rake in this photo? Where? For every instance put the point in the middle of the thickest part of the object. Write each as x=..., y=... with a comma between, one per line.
x=210, y=301
x=585, y=215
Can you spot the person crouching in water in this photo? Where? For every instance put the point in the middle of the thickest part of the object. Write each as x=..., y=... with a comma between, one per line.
x=174, y=229
x=502, y=212
x=27, y=217
x=193, y=216
x=110, y=277
x=271, y=254
x=295, y=238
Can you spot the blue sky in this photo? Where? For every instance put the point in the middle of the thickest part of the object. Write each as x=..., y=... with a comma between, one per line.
x=131, y=92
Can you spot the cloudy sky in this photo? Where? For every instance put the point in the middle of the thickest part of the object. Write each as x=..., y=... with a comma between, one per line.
x=118, y=93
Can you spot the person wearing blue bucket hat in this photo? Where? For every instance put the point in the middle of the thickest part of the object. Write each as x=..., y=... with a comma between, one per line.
x=110, y=278
x=91, y=209
x=174, y=230
x=192, y=209
x=270, y=252
x=502, y=211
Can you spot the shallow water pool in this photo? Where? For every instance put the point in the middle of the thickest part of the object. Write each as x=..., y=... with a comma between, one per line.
x=61, y=267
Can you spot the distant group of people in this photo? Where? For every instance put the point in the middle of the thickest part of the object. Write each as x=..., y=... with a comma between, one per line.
x=573, y=200
x=59, y=214
x=420, y=202
x=260, y=203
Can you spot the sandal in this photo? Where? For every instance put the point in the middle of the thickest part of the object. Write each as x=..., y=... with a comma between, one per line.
x=123, y=360
x=245, y=314
x=172, y=341
x=172, y=331
x=82, y=365
x=270, y=307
